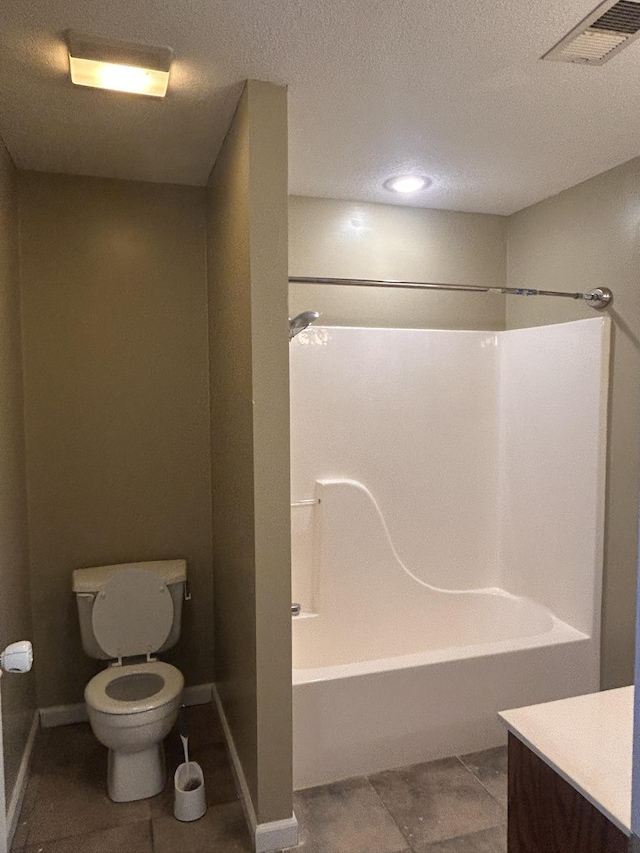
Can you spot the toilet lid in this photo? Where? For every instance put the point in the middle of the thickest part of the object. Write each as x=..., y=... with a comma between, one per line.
x=133, y=614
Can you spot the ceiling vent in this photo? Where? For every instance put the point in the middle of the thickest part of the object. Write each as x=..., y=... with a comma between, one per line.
x=602, y=34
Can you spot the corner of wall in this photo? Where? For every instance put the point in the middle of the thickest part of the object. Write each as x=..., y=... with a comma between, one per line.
x=247, y=281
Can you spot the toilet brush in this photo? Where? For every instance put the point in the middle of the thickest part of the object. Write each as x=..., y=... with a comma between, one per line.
x=190, y=784
x=188, y=781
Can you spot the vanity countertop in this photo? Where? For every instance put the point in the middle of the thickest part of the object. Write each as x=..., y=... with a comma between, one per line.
x=588, y=741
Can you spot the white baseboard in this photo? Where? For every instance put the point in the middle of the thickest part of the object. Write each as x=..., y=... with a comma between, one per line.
x=267, y=837
x=17, y=797
x=65, y=715
x=276, y=835
x=197, y=694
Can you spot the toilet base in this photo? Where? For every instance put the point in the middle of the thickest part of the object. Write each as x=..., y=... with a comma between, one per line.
x=136, y=775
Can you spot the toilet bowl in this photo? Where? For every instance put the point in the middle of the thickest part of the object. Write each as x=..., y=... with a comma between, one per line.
x=128, y=613
x=132, y=708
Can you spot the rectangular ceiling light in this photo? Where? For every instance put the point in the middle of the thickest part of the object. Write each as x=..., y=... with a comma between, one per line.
x=612, y=26
x=119, y=66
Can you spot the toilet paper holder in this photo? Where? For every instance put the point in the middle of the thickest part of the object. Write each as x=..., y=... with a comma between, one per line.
x=17, y=657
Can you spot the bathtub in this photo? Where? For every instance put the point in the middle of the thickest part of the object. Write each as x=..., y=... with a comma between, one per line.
x=390, y=671
x=447, y=530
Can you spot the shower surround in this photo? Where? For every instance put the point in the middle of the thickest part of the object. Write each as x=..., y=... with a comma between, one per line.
x=452, y=566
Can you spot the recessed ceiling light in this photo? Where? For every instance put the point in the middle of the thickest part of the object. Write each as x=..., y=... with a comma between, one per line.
x=119, y=66
x=407, y=183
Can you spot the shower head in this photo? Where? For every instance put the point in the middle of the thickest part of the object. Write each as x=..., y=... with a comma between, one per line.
x=300, y=322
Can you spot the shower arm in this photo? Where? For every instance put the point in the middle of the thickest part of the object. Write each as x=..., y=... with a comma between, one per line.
x=599, y=298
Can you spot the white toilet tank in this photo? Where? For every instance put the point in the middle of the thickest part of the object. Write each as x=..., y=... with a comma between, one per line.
x=88, y=584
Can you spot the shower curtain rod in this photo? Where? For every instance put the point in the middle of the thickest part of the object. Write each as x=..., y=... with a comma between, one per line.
x=599, y=298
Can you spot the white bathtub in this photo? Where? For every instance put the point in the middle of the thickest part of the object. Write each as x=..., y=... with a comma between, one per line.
x=452, y=567
x=359, y=718
x=390, y=671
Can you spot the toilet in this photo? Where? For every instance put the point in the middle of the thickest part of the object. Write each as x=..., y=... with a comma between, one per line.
x=129, y=613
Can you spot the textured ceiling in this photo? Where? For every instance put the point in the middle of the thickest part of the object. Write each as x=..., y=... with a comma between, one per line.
x=451, y=88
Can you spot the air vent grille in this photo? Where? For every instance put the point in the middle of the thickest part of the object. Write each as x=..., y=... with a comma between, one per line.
x=609, y=28
x=624, y=17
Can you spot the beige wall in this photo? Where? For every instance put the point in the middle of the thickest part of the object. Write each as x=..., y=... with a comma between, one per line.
x=586, y=237
x=18, y=692
x=115, y=359
x=349, y=239
x=247, y=269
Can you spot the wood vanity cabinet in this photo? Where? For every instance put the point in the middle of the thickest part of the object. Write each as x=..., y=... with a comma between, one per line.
x=548, y=815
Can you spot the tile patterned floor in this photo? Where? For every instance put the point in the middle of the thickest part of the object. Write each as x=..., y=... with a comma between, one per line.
x=456, y=805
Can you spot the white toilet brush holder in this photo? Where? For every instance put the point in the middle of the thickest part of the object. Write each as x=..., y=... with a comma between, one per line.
x=190, y=802
x=189, y=799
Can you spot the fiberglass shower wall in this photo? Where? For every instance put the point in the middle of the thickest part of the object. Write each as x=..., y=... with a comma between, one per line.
x=482, y=450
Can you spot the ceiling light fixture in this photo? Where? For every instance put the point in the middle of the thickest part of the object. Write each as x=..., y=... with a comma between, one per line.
x=119, y=66
x=407, y=183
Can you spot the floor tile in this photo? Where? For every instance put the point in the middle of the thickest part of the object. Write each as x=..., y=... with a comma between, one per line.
x=28, y=804
x=74, y=799
x=436, y=801
x=133, y=838
x=490, y=767
x=443, y=807
x=487, y=841
x=222, y=830
x=346, y=817
x=64, y=746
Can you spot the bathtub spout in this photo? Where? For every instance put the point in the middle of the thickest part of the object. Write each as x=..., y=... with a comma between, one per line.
x=295, y=609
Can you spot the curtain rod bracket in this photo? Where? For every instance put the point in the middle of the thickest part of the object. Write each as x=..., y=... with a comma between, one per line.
x=600, y=298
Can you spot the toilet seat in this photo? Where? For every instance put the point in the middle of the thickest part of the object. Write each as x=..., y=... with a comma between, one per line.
x=134, y=688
